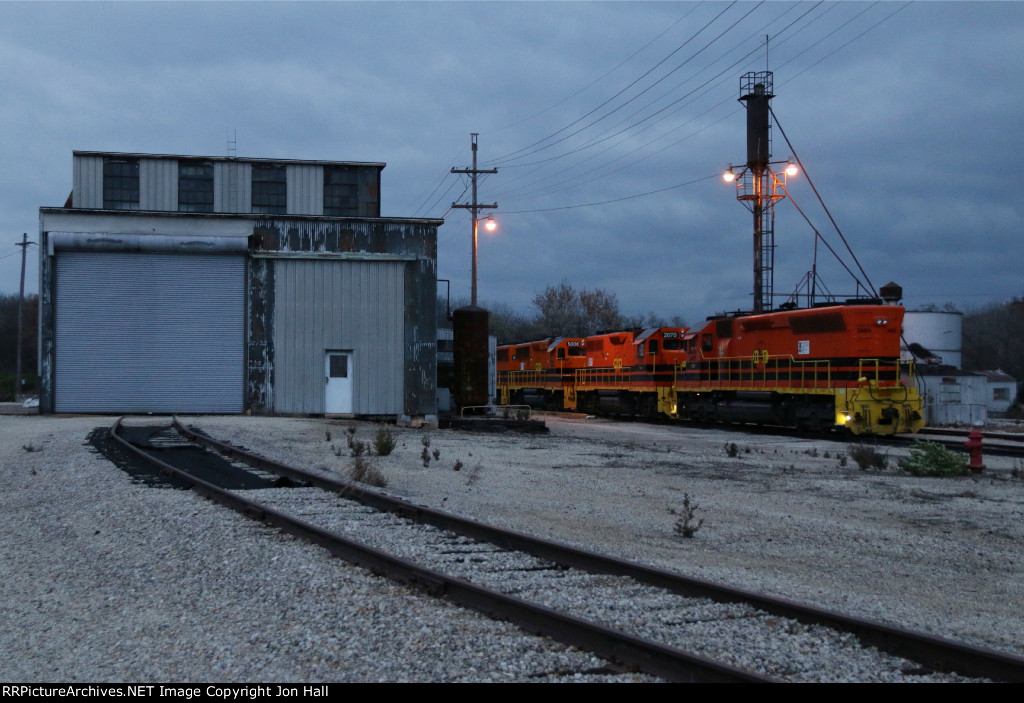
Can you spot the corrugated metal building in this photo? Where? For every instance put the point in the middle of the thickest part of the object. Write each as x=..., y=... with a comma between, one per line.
x=1002, y=391
x=951, y=396
x=205, y=284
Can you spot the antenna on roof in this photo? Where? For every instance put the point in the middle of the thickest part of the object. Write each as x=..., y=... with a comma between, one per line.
x=232, y=143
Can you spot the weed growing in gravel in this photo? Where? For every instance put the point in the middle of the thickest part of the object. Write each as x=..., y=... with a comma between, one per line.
x=365, y=471
x=425, y=454
x=474, y=475
x=437, y=454
x=458, y=465
x=358, y=448
x=328, y=435
x=685, y=526
x=842, y=461
x=932, y=459
x=867, y=456
x=384, y=444
x=31, y=448
x=731, y=450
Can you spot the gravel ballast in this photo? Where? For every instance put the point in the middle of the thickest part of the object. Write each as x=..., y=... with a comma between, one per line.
x=106, y=579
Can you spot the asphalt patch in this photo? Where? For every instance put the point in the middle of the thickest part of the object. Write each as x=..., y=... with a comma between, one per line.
x=197, y=461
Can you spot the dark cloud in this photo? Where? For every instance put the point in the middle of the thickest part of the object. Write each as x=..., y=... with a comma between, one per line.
x=906, y=117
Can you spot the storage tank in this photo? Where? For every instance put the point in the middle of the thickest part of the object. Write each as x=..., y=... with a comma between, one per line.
x=938, y=333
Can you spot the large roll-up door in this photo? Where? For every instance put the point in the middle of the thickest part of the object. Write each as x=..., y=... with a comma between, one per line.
x=149, y=332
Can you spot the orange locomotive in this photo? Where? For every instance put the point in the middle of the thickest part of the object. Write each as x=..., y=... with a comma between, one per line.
x=816, y=368
x=619, y=373
x=540, y=373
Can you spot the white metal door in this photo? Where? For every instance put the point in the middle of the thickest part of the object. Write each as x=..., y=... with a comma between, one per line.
x=338, y=383
x=149, y=332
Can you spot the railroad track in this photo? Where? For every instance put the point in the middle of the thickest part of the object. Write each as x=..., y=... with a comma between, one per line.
x=995, y=443
x=636, y=617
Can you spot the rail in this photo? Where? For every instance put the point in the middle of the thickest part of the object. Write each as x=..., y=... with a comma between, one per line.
x=928, y=650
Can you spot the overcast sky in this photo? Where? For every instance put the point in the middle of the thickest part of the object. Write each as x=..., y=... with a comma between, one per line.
x=907, y=117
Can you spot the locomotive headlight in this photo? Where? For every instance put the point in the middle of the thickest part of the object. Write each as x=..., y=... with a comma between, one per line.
x=881, y=321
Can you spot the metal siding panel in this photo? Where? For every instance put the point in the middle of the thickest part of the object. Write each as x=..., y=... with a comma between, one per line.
x=149, y=332
x=305, y=189
x=232, y=187
x=158, y=184
x=338, y=305
x=87, y=183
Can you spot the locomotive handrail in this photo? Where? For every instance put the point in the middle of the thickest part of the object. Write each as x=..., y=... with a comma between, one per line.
x=891, y=369
x=604, y=377
x=810, y=373
x=526, y=378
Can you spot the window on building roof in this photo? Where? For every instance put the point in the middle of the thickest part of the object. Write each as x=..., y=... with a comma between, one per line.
x=341, y=192
x=120, y=183
x=269, y=189
x=195, y=186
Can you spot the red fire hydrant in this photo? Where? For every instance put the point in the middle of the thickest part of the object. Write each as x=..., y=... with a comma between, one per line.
x=973, y=447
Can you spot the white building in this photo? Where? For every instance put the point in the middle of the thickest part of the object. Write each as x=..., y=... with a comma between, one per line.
x=206, y=284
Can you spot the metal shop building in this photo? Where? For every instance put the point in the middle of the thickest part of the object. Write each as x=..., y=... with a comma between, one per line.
x=174, y=284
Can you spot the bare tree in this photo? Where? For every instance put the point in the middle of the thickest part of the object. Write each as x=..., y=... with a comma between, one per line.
x=560, y=310
x=8, y=347
x=567, y=311
x=993, y=338
x=600, y=310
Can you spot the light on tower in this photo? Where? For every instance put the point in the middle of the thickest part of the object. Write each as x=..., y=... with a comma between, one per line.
x=791, y=169
x=729, y=176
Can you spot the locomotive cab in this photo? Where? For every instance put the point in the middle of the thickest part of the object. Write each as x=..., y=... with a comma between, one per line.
x=815, y=368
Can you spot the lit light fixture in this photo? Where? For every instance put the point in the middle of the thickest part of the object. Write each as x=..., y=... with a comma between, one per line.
x=729, y=176
x=791, y=169
x=490, y=225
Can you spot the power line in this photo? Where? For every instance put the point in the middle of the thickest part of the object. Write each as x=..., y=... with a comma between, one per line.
x=506, y=157
x=599, y=78
x=613, y=200
x=679, y=103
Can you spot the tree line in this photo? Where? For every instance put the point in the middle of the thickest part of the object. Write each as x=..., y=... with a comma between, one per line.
x=9, y=343
x=993, y=338
x=560, y=311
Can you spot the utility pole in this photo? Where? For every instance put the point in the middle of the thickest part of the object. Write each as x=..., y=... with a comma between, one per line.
x=21, y=301
x=474, y=206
